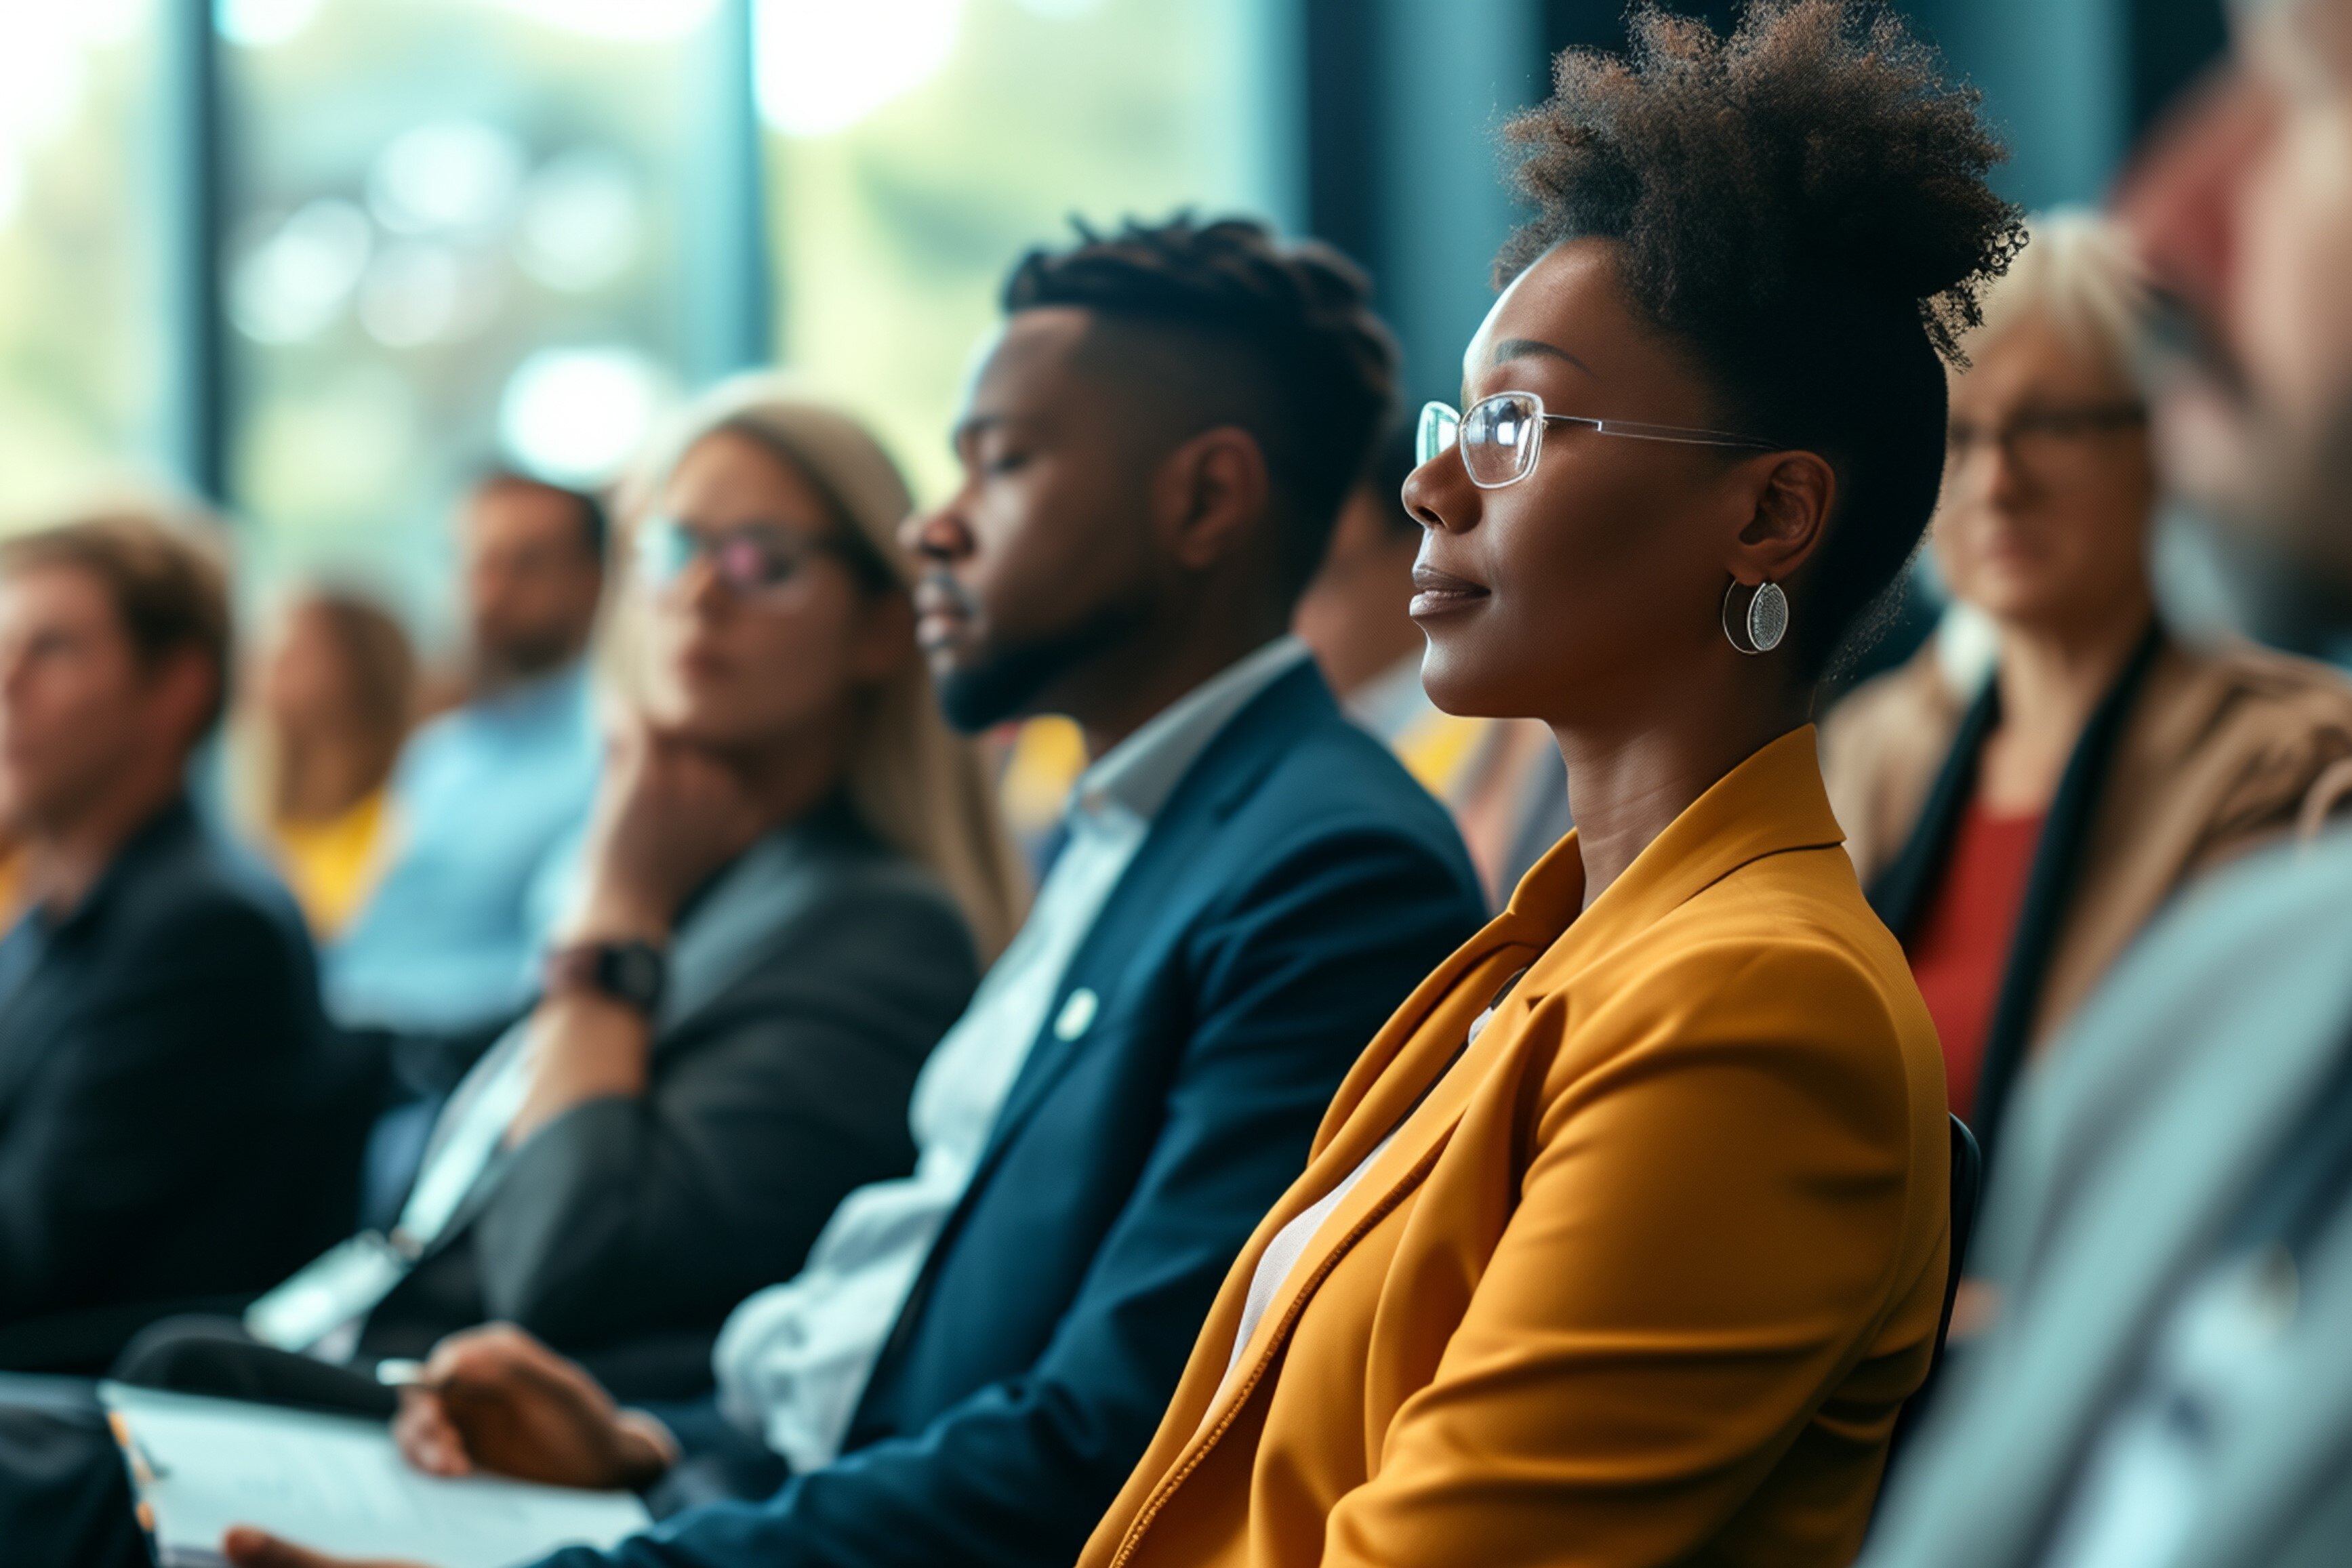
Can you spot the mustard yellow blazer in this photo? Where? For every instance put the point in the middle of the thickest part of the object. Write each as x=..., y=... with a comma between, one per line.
x=1644, y=1279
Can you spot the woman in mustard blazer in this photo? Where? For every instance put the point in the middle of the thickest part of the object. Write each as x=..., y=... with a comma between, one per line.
x=1626, y=1240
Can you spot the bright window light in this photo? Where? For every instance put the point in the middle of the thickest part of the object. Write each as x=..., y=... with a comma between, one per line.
x=643, y=20
x=581, y=221
x=263, y=24
x=41, y=74
x=453, y=175
x=296, y=281
x=578, y=415
x=824, y=64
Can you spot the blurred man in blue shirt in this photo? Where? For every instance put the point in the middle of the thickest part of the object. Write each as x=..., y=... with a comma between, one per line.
x=488, y=796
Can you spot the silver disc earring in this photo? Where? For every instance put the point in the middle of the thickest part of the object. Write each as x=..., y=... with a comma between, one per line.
x=1759, y=630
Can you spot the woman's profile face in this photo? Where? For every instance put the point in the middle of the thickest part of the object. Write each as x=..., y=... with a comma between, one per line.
x=1582, y=591
x=732, y=667
x=2048, y=483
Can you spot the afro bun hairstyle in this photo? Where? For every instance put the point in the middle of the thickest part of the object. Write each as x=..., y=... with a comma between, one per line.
x=1803, y=206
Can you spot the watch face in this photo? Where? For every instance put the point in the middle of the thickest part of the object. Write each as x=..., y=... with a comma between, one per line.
x=633, y=972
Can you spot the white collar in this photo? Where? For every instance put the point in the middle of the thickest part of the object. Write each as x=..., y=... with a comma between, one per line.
x=1141, y=772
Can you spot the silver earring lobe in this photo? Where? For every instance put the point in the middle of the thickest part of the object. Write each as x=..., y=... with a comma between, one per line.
x=1764, y=623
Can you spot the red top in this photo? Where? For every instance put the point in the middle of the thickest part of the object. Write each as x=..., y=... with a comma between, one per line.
x=1960, y=948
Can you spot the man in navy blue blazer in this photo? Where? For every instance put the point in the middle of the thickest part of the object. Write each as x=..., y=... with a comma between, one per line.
x=1153, y=455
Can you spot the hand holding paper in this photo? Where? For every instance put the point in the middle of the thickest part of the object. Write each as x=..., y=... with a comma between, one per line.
x=495, y=1399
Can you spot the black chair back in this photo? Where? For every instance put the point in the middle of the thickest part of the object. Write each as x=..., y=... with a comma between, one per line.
x=1967, y=1185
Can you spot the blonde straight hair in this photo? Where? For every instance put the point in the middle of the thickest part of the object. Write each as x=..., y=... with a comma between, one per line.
x=2077, y=272
x=916, y=785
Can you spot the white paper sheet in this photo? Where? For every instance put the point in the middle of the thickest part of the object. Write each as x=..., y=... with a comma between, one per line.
x=338, y=1485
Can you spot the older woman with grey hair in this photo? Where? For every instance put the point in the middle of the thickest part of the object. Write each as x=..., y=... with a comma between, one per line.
x=2017, y=828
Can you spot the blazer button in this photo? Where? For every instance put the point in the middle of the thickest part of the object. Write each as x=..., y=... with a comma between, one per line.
x=1077, y=1013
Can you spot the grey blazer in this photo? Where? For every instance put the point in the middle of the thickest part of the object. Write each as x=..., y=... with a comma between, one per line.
x=807, y=985
x=2139, y=1141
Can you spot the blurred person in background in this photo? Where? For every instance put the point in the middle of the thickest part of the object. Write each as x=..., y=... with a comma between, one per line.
x=2169, y=1381
x=488, y=798
x=163, y=1060
x=1494, y=776
x=793, y=873
x=1153, y=452
x=2017, y=833
x=336, y=692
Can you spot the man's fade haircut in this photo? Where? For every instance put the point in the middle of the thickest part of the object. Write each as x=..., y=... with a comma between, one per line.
x=1277, y=339
x=1802, y=206
x=165, y=578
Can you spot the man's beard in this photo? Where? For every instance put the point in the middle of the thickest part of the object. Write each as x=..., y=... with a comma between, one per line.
x=1001, y=681
x=516, y=661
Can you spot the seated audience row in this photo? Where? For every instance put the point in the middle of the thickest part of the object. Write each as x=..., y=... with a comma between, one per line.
x=1514, y=1298
x=1247, y=885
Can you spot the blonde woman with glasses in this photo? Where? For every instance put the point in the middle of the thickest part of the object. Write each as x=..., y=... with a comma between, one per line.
x=2016, y=828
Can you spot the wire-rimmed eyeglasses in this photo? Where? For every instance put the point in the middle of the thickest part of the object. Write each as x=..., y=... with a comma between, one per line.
x=1501, y=437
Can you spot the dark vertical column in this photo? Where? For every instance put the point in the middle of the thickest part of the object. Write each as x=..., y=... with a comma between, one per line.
x=2172, y=42
x=190, y=170
x=2056, y=85
x=1344, y=180
x=731, y=318
x=1451, y=75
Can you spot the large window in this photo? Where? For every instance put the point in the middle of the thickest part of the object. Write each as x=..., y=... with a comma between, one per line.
x=453, y=240
x=919, y=146
x=79, y=298
x=454, y=233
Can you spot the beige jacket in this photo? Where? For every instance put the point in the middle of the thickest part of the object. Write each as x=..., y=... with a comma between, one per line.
x=2226, y=748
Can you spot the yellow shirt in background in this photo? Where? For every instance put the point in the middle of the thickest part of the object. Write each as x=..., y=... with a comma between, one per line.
x=12, y=874
x=332, y=865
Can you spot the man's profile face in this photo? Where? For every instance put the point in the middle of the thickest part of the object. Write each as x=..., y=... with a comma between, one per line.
x=75, y=699
x=531, y=581
x=1044, y=553
x=2245, y=215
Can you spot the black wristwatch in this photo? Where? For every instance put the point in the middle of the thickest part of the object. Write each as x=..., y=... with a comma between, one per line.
x=631, y=973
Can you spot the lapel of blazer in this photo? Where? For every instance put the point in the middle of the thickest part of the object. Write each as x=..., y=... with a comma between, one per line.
x=1771, y=803
x=1180, y=842
x=731, y=930
x=2128, y=1228
x=1171, y=855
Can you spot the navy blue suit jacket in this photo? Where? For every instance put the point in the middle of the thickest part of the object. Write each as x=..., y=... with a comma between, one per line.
x=1292, y=890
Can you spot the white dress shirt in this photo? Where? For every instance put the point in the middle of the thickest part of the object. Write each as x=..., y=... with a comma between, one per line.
x=792, y=1362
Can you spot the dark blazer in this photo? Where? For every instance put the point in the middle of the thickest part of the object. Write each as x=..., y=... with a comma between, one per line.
x=1295, y=887
x=808, y=983
x=164, y=1068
